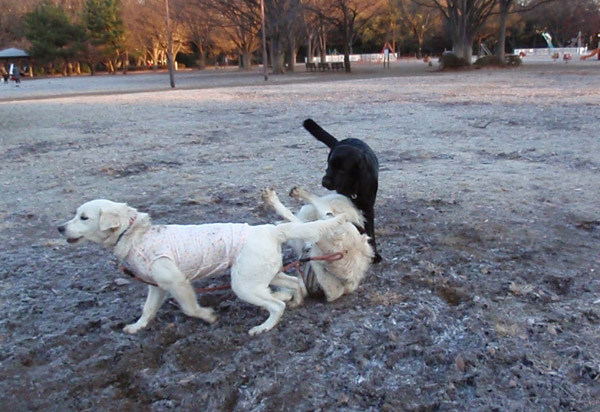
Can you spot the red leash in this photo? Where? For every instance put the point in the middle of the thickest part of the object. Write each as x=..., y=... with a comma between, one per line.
x=295, y=264
x=198, y=290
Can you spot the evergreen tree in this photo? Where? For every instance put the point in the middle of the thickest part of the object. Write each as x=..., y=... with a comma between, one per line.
x=102, y=20
x=55, y=40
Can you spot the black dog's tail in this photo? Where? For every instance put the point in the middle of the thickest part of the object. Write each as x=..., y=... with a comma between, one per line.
x=320, y=133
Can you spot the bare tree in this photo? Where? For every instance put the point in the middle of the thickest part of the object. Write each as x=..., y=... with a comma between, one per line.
x=240, y=22
x=284, y=29
x=465, y=18
x=199, y=26
x=416, y=19
x=564, y=19
x=505, y=8
x=349, y=17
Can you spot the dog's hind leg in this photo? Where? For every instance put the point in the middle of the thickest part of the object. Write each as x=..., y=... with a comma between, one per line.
x=292, y=284
x=260, y=295
x=155, y=299
x=169, y=277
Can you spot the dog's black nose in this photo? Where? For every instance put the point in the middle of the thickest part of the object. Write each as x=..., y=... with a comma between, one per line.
x=327, y=183
x=61, y=228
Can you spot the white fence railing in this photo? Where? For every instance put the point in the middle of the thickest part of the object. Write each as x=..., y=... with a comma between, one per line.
x=372, y=57
x=576, y=51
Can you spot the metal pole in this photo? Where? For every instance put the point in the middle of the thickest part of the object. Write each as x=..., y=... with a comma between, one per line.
x=264, y=41
x=170, y=48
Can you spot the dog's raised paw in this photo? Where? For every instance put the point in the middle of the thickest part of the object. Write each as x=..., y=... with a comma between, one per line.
x=295, y=192
x=268, y=195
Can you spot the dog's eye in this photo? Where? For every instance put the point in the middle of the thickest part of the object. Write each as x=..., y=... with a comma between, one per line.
x=83, y=217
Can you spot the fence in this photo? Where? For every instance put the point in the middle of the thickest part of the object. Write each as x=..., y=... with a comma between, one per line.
x=372, y=57
x=575, y=51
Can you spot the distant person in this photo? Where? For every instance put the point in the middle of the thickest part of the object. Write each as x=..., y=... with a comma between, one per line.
x=4, y=73
x=15, y=72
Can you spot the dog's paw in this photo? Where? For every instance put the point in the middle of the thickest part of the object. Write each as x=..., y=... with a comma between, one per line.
x=268, y=195
x=258, y=330
x=295, y=192
x=377, y=258
x=132, y=328
x=208, y=315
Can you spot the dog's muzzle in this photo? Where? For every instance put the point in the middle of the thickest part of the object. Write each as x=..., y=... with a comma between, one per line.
x=327, y=183
x=62, y=229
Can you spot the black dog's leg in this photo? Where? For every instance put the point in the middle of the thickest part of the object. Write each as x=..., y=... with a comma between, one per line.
x=370, y=229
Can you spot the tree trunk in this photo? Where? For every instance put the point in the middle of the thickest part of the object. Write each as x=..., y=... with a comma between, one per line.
x=277, y=56
x=125, y=61
x=154, y=58
x=291, y=55
x=504, y=8
x=246, y=63
x=463, y=48
x=347, y=39
x=323, y=43
x=201, y=62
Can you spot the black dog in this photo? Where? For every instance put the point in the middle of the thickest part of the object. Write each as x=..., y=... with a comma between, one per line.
x=352, y=170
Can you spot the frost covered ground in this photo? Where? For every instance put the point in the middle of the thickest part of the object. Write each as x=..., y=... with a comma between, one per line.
x=487, y=218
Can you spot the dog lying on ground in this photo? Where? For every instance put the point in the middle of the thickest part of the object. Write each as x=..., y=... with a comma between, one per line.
x=338, y=277
x=352, y=170
x=171, y=255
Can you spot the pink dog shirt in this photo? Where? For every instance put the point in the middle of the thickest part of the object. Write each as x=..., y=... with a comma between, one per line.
x=197, y=250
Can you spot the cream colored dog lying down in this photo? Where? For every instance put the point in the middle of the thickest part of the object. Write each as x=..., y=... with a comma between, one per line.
x=338, y=277
x=171, y=255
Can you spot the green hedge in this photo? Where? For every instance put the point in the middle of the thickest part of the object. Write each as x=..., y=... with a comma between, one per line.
x=452, y=61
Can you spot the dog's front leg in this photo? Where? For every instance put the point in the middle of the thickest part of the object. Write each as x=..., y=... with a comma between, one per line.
x=370, y=229
x=156, y=296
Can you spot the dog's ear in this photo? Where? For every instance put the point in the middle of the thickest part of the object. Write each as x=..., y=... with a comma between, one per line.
x=113, y=218
x=108, y=220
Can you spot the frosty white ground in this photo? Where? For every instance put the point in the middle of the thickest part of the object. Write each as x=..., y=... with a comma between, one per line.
x=487, y=219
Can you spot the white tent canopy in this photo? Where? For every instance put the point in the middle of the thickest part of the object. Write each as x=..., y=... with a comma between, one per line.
x=13, y=53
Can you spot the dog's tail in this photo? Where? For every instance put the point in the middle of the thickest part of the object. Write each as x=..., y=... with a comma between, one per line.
x=310, y=231
x=320, y=133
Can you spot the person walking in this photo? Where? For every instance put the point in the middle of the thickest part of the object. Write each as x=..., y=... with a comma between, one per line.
x=15, y=72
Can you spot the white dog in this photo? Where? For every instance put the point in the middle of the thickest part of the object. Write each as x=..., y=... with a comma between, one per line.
x=336, y=277
x=169, y=256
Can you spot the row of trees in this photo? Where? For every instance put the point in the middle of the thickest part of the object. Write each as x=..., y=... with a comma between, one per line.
x=63, y=35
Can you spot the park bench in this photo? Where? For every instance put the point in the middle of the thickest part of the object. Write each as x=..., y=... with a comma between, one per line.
x=324, y=66
x=311, y=67
x=337, y=66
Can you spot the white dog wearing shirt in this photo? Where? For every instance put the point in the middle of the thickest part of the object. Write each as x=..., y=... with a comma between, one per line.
x=169, y=256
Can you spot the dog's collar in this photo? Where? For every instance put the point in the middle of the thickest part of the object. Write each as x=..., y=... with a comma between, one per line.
x=131, y=222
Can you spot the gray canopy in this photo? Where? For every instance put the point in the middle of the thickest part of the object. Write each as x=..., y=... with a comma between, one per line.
x=13, y=53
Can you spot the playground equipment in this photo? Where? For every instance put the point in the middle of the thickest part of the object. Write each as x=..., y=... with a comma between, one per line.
x=548, y=39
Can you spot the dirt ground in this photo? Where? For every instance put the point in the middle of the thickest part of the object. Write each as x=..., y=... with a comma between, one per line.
x=488, y=298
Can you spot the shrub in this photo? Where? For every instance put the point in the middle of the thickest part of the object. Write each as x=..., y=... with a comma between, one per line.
x=510, y=60
x=513, y=60
x=451, y=61
x=487, y=61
